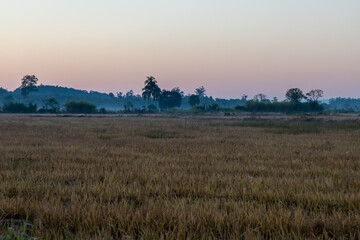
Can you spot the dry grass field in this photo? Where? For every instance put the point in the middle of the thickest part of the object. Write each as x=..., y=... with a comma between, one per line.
x=177, y=178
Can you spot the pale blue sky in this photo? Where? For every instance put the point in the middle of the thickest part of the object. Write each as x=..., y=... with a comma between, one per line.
x=231, y=47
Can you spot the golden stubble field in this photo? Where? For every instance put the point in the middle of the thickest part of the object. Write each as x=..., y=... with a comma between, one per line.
x=177, y=178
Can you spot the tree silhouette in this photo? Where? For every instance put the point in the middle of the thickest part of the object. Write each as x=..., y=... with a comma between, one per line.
x=194, y=100
x=151, y=90
x=51, y=104
x=314, y=95
x=200, y=91
x=177, y=89
x=129, y=94
x=28, y=84
x=170, y=99
x=294, y=95
x=119, y=95
x=259, y=97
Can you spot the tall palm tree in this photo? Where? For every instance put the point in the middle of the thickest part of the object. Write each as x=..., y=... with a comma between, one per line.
x=151, y=90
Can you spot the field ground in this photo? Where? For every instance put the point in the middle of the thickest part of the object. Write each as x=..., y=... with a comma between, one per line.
x=196, y=178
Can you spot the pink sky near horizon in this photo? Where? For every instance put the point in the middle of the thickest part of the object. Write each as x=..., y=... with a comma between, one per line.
x=233, y=48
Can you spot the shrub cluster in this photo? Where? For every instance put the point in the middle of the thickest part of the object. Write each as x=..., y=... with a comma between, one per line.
x=19, y=108
x=80, y=107
x=285, y=107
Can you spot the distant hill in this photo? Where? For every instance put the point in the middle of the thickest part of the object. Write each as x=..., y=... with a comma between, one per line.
x=64, y=94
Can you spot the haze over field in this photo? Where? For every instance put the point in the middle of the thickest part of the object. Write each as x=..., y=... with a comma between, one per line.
x=231, y=47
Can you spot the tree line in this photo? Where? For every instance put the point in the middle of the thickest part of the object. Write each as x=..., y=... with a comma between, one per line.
x=164, y=100
x=293, y=103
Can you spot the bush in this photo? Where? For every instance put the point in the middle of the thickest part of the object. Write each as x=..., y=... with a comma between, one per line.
x=214, y=107
x=152, y=108
x=80, y=107
x=102, y=111
x=199, y=108
x=285, y=107
x=240, y=108
x=19, y=108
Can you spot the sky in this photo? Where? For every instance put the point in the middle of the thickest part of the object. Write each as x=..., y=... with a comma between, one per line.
x=231, y=47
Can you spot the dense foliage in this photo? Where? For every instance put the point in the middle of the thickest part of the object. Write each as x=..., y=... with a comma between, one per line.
x=346, y=104
x=169, y=99
x=285, y=107
x=80, y=107
x=194, y=100
x=19, y=108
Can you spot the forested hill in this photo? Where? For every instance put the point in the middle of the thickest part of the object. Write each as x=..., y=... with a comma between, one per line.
x=64, y=94
x=101, y=100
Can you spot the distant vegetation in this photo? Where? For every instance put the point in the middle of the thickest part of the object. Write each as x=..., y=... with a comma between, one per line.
x=19, y=108
x=344, y=104
x=284, y=107
x=31, y=97
x=80, y=107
